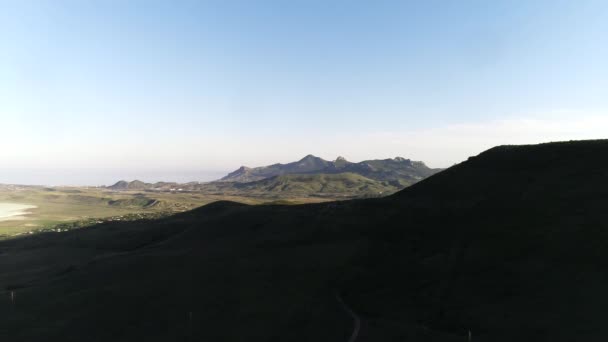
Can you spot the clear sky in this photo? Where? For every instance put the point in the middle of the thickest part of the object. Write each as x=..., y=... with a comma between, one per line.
x=92, y=91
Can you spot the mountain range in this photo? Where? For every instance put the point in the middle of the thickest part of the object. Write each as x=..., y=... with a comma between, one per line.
x=310, y=176
x=398, y=169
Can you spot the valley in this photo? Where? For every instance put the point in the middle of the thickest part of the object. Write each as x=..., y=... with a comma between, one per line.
x=309, y=180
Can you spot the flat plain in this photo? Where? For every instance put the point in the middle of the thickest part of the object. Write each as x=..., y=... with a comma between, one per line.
x=63, y=208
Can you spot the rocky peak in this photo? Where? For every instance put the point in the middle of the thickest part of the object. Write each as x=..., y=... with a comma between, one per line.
x=309, y=157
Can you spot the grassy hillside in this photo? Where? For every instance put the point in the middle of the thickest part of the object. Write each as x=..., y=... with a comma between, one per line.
x=509, y=245
x=342, y=184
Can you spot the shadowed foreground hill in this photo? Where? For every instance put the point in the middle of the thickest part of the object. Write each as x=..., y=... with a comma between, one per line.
x=510, y=245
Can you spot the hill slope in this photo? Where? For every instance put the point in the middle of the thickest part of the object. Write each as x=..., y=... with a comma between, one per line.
x=307, y=164
x=510, y=245
x=133, y=185
x=342, y=184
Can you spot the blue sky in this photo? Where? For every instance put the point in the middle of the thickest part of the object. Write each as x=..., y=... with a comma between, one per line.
x=175, y=89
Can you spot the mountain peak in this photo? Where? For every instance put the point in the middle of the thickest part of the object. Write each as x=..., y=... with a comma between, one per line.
x=240, y=173
x=308, y=162
x=341, y=159
x=120, y=183
x=309, y=157
x=124, y=185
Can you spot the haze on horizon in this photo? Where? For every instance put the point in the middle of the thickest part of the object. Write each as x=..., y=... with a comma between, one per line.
x=92, y=92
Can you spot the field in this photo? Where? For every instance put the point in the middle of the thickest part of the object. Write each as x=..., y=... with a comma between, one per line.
x=70, y=207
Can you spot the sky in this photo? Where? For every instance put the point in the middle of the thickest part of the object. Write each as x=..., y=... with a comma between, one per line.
x=96, y=91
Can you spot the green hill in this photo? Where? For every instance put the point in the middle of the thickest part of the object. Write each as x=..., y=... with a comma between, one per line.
x=134, y=185
x=509, y=245
x=342, y=184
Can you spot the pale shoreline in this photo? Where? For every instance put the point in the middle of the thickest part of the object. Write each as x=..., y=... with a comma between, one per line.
x=14, y=211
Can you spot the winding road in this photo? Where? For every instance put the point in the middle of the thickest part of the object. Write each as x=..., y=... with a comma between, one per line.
x=356, y=318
